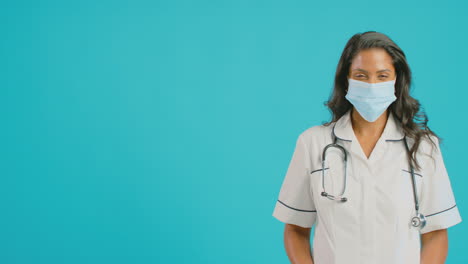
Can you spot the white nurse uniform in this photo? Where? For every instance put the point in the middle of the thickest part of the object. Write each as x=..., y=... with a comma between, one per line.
x=374, y=225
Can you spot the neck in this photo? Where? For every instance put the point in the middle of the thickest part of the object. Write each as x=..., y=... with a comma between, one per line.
x=365, y=128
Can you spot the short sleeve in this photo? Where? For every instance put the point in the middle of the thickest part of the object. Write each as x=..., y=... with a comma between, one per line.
x=437, y=201
x=295, y=204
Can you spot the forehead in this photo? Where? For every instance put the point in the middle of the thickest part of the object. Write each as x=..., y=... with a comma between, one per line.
x=372, y=59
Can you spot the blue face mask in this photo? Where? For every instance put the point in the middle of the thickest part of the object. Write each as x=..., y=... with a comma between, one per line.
x=370, y=99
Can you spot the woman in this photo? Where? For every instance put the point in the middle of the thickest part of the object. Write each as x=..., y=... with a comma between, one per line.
x=383, y=194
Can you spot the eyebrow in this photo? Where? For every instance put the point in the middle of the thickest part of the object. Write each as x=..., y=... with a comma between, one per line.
x=359, y=69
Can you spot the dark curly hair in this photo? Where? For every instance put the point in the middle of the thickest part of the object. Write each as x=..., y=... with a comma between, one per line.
x=406, y=109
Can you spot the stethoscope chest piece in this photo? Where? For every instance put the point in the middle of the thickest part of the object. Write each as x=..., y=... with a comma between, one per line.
x=418, y=221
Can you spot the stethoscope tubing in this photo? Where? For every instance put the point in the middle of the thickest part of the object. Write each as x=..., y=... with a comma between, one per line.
x=417, y=221
x=324, y=193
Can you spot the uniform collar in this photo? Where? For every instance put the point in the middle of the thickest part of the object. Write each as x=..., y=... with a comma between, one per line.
x=343, y=128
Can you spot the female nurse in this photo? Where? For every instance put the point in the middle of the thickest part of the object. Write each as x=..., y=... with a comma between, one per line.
x=364, y=198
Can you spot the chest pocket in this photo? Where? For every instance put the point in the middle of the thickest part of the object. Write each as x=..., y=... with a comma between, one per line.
x=406, y=190
x=407, y=180
x=335, y=181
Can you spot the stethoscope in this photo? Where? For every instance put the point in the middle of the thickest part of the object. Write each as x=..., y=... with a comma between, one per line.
x=418, y=221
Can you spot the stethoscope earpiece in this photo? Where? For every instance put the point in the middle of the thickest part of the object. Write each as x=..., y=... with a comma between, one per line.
x=418, y=221
x=340, y=197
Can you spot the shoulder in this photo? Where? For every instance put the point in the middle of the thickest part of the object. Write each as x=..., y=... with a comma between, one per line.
x=316, y=134
x=429, y=146
x=429, y=152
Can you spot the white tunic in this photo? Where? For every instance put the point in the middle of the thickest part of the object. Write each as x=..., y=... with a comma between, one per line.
x=374, y=225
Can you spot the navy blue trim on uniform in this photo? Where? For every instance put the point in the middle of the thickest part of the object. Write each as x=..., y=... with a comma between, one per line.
x=311, y=211
x=318, y=170
x=442, y=211
x=394, y=139
x=410, y=172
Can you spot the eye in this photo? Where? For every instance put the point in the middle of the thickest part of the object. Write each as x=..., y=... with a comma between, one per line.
x=383, y=76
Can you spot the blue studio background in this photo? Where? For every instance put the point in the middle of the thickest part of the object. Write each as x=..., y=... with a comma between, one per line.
x=160, y=131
